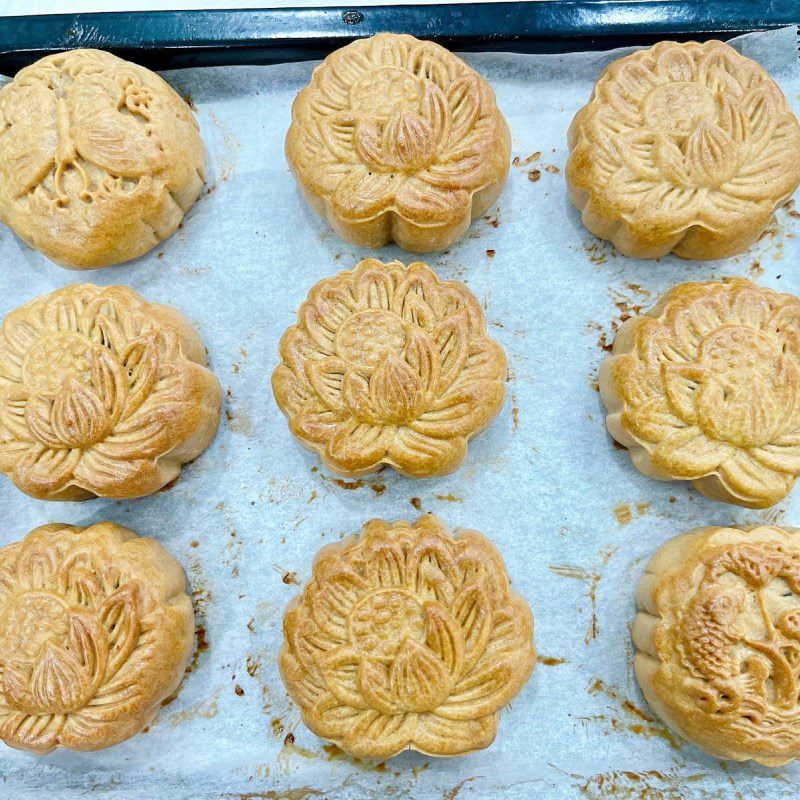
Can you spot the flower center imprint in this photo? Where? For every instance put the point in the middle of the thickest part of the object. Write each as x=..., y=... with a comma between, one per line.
x=30, y=621
x=376, y=93
x=367, y=336
x=741, y=355
x=382, y=621
x=678, y=107
x=56, y=357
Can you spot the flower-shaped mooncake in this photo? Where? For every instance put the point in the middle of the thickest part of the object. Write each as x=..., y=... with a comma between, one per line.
x=407, y=637
x=706, y=387
x=686, y=148
x=389, y=365
x=101, y=393
x=717, y=640
x=397, y=139
x=99, y=158
x=96, y=630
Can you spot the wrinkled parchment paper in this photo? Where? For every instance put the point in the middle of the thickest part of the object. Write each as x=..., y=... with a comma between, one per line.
x=573, y=518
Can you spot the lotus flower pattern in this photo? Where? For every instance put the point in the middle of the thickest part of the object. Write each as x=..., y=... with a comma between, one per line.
x=101, y=394
x=389, y=365
x=398, y=139
x=683, y=147
x=407, y=637
x=95, y=631
x=706, y=387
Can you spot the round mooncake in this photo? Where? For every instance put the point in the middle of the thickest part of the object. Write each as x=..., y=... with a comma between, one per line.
x=389, y=365
x=101, y=394
x=407, y=637
x=396, y=139
x=717, y=640
x=99, y=158
x=705, y=387
x=96, y=630
x=687, y=148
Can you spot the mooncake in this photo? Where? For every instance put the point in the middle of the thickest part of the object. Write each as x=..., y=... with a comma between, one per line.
x=96, y=630
x=389, y=365
x=717, y=640
x=705, y=387
x=396, y=139
x=407, y=637
x=101, y=394
x=99, y=158
x=683, y=148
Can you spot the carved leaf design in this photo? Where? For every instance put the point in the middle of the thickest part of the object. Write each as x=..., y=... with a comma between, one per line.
x=396, y=390
x=710, y=155
x=79, y=417
x=58, y=683
x=418, y=679
x=408, y=141
x=120, y=618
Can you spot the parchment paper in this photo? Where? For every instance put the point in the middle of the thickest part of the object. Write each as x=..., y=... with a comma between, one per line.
x=573, y=518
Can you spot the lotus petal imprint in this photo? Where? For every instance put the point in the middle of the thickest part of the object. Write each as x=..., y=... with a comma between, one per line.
x=407, y=637
x=706, y=388
x=397, y=139
x=96, y=629
x=687, y=148
x=389, y=365
x=101, y=394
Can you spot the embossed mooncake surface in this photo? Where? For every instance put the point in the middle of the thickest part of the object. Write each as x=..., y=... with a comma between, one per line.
x=396, y=139
x=706, y=387
x=99, y=158
x=389, y=365
x=101, y=393
x=687, y=148
x=717, y=640
x=96, y=629
x=407, y=637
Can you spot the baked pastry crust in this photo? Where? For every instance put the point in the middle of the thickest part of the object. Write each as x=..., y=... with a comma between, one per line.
x=706, y=387
x=686, y=148
x=407, y=637
x=101, y=394
x=717, y=640
x=389, y=365
x=96, y=629
x=99, y=158
x=396, y=139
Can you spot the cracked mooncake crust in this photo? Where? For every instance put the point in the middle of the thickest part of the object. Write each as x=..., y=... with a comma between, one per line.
x=717, y=640
x=389, y=365
x=396, y=139
x=407, y=637
x=99, y=158
x=96, y=630
x=101, y=394
x=687, y=148
x=705, y=387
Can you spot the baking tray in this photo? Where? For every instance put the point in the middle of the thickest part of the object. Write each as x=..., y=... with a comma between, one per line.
x=575, y=521
x=172, y=39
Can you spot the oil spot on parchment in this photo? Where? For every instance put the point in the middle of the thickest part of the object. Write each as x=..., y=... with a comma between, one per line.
x=203, y=709
x=625, y=513
x=452, y=794
x=590, y=578
x=631, y=785
x=550, y=661
x=633, y=720
x=449, y=498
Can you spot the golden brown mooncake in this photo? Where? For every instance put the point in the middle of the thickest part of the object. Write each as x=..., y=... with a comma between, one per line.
x=717, y=640
x=101, y=394
x=705, y=387
x=99, y=158
x=389, y=365
x=407, y=637
x=96, y=630
x=396, y=139
x=687, y=148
